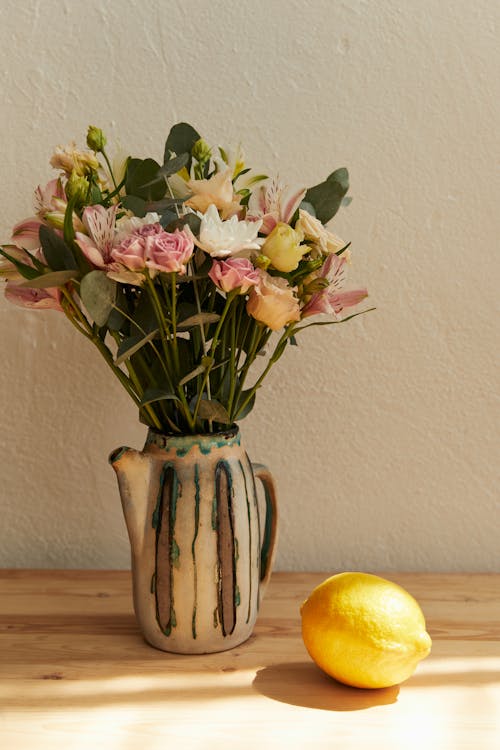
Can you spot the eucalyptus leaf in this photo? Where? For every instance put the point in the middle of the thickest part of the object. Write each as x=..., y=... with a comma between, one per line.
x=134, y=204
x=181, y=140
x=167, y=218
x=49, y=280
x=306, y=206
x=56, y=252
x=327, y=196
x=143, y=180
x=98, y=294
x=156, y=394
x=131, y=345
x=174, y=165
x=211, y=409
x=198, y=320
x=347, y=201
x=191, y=220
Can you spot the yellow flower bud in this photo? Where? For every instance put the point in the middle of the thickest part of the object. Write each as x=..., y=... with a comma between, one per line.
x=262, y=261
x=96, y=140
x=283, y=247
x=201, y=151
x=77, y=187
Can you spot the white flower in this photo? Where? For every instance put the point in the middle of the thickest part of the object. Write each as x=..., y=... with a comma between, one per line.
x=223, y=238
x=128, y=224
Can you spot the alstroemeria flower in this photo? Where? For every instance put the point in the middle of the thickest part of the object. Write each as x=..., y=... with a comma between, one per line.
x=37, y=299
x=273, y=302
x=220, y=239
x=48, y=198
x=169, y=252
x=234, y=273
x=274, y=203
x=100, y=225
x=217, y=191
x=331, y=301
x=26, y=233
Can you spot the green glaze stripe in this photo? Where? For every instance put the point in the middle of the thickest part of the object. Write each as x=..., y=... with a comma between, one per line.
x=226, y=564
x=167, y=550
x=254, y=488
x=193, y=550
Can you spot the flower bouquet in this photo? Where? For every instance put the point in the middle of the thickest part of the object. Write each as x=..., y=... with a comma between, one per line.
x=179, y=273
x=182, y=274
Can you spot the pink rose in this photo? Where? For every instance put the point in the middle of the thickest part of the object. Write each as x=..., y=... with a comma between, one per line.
x=168, y=252
x=131, y=252
x=234, y=273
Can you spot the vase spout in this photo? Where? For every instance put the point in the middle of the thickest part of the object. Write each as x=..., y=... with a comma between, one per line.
x=133, y=470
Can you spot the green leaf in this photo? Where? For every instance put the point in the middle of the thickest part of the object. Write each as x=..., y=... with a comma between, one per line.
x=173, y=165
x=143, y=180
x=98, y=294
x=306, y=206
x=193, y=374
x=248, y=408
x=191, y=220
x=327, y=196
x=57, y=254
x=68, y=230
x=181, y=140
x=211, y=409
x=26, y=271
x=53, y=279
x=293, y=341
x=134, y=204
x=346, y=201
x=131, y=345
x=198, y=320
x=168, y=217
x=156, y=394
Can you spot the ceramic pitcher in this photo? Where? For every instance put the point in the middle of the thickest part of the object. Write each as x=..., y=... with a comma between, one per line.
x=201, y=555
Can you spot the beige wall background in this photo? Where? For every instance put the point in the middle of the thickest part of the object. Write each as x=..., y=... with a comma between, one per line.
x=383, y=433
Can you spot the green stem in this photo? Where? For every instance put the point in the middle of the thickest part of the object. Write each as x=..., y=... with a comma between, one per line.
x=278, y=351
x=110, y=169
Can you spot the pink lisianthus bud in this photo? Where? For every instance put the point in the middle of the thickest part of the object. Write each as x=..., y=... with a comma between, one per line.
x=131, y=252
x=37, y=299
x=168, y=252
x=273, y=302
x=234, y=273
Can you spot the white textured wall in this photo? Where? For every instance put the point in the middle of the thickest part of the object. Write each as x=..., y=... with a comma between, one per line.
x=383, y=433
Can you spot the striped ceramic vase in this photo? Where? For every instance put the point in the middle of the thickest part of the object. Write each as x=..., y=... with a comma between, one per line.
x=201, y=556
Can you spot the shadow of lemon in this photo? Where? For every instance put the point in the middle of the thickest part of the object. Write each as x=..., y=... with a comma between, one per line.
x=304, y=684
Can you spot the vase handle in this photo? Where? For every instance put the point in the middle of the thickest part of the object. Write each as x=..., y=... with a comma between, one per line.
x=269, y=538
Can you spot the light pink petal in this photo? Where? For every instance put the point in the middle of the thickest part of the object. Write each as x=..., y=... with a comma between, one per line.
x=36, y=299
x=100, y=223
x=341, y=300
x=25, y=233
x=269, y=221
x=291, y=204
x=89, y=250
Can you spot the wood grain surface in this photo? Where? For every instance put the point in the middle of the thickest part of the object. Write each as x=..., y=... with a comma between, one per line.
x=76, y=674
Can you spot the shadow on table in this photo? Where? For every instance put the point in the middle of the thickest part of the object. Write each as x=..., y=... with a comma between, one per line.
x=303, y=684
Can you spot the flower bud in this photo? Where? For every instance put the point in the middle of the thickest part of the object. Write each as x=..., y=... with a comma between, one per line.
x=96, y=140
x=262, y=261
x=77, y=188
x=283, y=247
x=201, y=151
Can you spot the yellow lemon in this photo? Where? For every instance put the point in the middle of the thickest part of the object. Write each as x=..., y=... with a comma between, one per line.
x=364, y=631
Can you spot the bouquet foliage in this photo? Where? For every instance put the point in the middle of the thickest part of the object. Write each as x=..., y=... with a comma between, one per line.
x=180, y=272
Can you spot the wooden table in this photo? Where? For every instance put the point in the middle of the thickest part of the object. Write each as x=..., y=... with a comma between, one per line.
x=75, y=673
